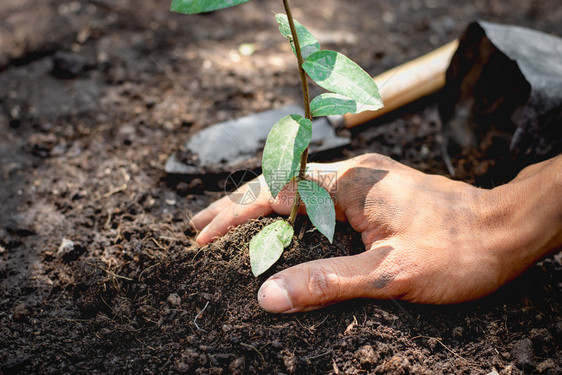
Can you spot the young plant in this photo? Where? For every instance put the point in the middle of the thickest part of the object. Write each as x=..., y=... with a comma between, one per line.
x=350, y=90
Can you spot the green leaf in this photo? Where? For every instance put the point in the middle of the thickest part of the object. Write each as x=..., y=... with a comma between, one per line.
x=319, y=207
x=285, y=143
x=336, y=104
x=201, y=6
x=337, y=73
x=267, y=246
x=307, y=41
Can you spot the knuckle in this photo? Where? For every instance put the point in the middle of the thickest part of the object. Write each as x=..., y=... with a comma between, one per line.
x=323, y=284
x=376, y=159
x=404, y=281
x=364, y=158
x=403, y=284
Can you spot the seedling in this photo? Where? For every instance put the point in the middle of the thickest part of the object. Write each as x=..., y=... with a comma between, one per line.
x=351, y=90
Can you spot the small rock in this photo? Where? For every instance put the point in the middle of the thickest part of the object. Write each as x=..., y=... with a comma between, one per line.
x=69, y=251
x=458, y=332
x=58, y=149
x=290, y=361
x=388, y=316
x=276, y=344
x=183, y=189
x=195, y=185
x=541, y=338
x=174, y=299
x=20, y=312
x=207, y=296
x=170, y=198
x=237, y=366
x=127, y=130
x=65, y=245
x=226, y=327
x=546, y=365
x=508, y=370
x=397, y=150
x=367, y=355
x=67, y=65
x=398, y=364
x=523, y=352
x=493, y=372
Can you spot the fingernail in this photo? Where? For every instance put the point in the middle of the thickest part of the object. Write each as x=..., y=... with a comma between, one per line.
x=202, y=238
x=273, y=296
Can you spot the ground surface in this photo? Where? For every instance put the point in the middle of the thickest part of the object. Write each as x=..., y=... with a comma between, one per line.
x=98, y=273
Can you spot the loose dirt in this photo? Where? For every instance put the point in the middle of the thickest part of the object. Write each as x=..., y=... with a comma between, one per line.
x=98, y=270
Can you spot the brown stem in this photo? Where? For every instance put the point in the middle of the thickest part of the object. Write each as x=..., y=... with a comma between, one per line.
x=307, y=111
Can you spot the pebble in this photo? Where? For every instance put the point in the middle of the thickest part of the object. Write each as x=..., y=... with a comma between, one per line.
x=174, y=299
x=548, y=364
x=290, y=362
x=399, y=362
x=65, y=246
x=388, y=316
x=196, y=184
x=20, y=312
x=458, y=331
x=67, y=65
x=523, y=352
x=69, y=250
x=182, y=188
x=237, y=366
x=367, y=355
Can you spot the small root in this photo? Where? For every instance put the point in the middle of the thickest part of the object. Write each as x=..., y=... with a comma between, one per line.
x=121, y=188
x=197, y=317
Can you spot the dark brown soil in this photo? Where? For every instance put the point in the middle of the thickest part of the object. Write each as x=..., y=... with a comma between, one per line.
x=98, y=271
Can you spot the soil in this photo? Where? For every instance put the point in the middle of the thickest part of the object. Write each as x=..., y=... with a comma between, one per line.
x=98, y=269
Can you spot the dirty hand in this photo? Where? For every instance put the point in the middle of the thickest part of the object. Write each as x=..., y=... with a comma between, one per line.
x=427, y=238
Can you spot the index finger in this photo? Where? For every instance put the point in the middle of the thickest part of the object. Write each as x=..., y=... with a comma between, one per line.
x=204, y=217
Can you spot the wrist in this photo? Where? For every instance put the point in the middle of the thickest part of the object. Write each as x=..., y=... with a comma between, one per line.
x=526, y=215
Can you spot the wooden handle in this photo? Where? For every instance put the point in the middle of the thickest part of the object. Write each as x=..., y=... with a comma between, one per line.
x=408, y=82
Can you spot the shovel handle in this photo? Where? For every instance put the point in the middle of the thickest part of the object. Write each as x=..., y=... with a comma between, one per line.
x=408, y=82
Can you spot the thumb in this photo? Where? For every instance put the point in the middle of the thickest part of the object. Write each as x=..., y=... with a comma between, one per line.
x=313, y=285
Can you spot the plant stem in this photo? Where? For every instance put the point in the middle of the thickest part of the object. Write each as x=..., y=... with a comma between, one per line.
x=307, y=111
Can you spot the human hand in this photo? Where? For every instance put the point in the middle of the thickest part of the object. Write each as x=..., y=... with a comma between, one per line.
x=427, y=238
